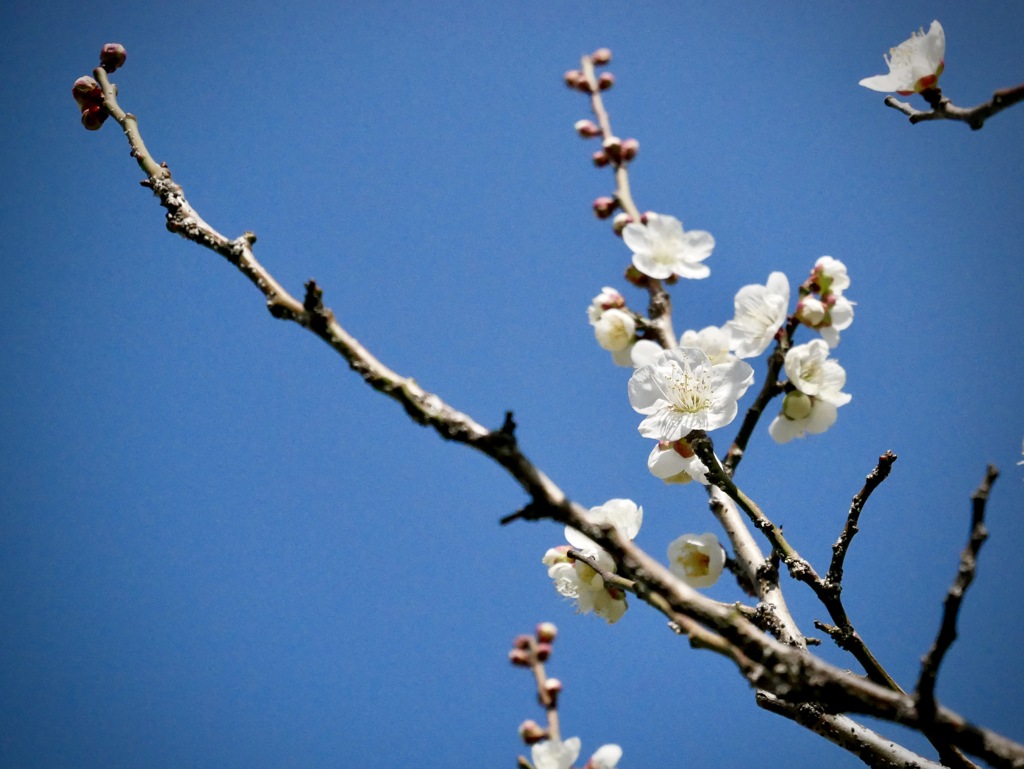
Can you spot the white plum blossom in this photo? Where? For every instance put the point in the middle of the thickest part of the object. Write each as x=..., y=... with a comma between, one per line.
x=556, y=754
x=615, y=330
x=676, y=463
x=661, y=248
x=830, y=275
x=838, y=318
x=713, y=340
x=605, y=757
x=813, y=373
x=760, y=313
x=608, y=299
x=683, y=391
x=811, y=407
x=576, y=579
x=644, y=352
x=697, y=560
x=914, y=65
x=801, y=414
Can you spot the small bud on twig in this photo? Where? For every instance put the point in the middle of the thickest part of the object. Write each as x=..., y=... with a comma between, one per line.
x=543, y=651
x=531, y=732
x=571, y=77
x=606, y=81
x=604, y=206
x=112, y=56
x=93, y=116
x=546, y=632
x=587, y=129
x=629, y=149
x=600, y=158
x=601, y=56
x=519, y=658
x=620, y=221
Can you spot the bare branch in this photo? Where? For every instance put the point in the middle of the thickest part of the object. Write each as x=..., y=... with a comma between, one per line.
x=871, y=482
x=925, y=691
x=944, y=109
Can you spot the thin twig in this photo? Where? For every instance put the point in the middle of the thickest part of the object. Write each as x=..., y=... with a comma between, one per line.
x=871, y=482
x=925, y=691
x=944, y=109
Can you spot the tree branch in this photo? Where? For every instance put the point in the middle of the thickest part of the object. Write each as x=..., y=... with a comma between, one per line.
x=944, y=109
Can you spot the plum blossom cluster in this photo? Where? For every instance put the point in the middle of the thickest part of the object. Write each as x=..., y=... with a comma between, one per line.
x=914, y=65
x=577, y=579
x=822, y=305
x=662, y=249
x=814, y=392
x=88, y=93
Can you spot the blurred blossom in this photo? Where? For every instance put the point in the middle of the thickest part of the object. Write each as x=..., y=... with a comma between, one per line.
x=914, y=65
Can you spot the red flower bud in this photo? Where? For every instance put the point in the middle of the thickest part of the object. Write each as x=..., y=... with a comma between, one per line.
x=87, y=92
x=600, y=158
x=543, y=651
x=604, y=206
x=601, y=56
x=93, y=116
x=606, y=81
x=629, y=149
x=571, y=77
x=112, y=56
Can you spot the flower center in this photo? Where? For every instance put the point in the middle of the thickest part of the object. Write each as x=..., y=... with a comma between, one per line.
x=690, y=390
x=694, y=562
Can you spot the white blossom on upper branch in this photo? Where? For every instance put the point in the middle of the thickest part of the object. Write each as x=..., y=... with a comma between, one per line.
x=822, y=305
x=811, y=407
x=697, y=560
x=661, y=248
x=675, y=462
x=576, y=579
x=555, y=754
x=683, y=391
x=713, y=340
x=914, y=65
x=760, y=313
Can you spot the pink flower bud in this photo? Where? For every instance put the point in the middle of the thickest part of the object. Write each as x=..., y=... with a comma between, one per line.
x=629, y=149
x=546, y=632
x=522, y=641
x=582, y=84
x=543, y=651
x=93, y=116
x=112, y=56
x=600, y=158
x=519, y=657
x=587, y=129
x=606, y=81
x=604, y=207
x=552, y=686
x=612, y=146
x=601, y=56
x=87, y=92
x=571, y=77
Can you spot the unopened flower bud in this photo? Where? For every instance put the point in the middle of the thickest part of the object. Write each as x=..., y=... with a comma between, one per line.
x=582, y=84
x=796, y=405
x=87, y=92
x=587, y=129
x=93, y=116
x=552, y=686
x=606, y=81
x=519, y=658
x=531, y=732
x=604, y=206
x=629, y=149
x=571, y=77
x=112, y=56
x=601, y=56
x=546, y=632
x=612, y=146
x=522, y=641
x=620, y=221
x=543, y=651
x=600, y=158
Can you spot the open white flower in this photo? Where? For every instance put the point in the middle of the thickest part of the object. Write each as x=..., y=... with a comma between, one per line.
x=696, y=560
x=830, y=275
x=760, y=313
x=661, y=248
x=556, y=754
x=578, y=580
x=683, y=391
x=914, y=65
x=813, y=373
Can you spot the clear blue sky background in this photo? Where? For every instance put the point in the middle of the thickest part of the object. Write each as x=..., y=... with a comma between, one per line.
x=218, y=548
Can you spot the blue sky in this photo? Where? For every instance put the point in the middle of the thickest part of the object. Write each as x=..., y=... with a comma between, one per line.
x=220, y=549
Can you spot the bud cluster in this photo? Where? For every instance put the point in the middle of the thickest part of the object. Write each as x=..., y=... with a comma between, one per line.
x=529, y=650
x=89, y=94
